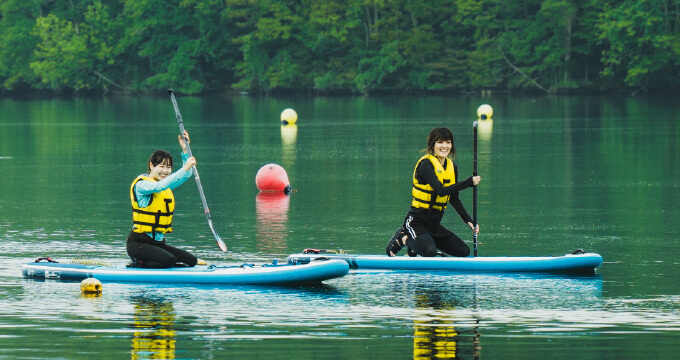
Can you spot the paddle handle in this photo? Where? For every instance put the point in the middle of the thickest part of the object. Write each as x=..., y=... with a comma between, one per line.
x=475, y=125
x=180, y=122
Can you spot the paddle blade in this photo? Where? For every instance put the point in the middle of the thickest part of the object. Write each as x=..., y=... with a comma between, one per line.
x=221, y=243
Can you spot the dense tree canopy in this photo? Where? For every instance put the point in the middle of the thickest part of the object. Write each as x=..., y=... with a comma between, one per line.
x=339, y=46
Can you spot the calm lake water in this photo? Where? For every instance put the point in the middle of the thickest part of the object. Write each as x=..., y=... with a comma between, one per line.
x=558, y=174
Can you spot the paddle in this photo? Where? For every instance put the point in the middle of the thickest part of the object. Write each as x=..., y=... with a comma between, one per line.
x=180, y=122
x=474, y=189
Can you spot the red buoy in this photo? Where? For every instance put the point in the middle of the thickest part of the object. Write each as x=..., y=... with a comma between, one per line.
x=272, y=177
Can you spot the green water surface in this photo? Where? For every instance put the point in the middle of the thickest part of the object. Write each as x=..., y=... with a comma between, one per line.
x=558, y=174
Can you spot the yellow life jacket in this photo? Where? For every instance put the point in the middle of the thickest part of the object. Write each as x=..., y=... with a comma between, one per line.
x=157, y=216
x=423, y=194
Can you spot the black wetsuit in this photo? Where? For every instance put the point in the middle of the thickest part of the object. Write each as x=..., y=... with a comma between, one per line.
x=423, y=226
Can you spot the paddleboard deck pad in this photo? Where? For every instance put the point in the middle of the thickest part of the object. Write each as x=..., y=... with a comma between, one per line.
x=245, y=274
x=576, y=262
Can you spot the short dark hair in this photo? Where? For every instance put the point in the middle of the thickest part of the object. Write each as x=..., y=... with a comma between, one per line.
x=440, y=134
x=159, y=157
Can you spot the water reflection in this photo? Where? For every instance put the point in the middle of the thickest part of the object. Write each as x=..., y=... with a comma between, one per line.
x=450, y=309
x=442, y=336
x=288, y=144
x=272, y=221
x=485, y=129
x=574, y=156
x=155, y=336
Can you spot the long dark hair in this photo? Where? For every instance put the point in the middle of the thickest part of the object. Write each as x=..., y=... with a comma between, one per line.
x=440, y=134
x=158, y=157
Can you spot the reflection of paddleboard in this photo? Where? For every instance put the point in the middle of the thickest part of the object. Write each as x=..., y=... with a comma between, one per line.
x=579, y=262
x=268, y=274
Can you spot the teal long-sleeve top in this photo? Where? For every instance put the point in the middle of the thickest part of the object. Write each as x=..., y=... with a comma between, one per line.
x=145, y=188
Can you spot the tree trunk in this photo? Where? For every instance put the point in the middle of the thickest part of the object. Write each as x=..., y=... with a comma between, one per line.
x=102, y=77
x=520, y=71
x=567, y=48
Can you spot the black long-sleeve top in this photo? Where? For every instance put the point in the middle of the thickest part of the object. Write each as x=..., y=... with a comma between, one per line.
x=425, y=174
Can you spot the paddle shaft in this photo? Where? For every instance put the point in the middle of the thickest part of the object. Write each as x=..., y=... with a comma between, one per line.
x=180, y=122
x=474, y=189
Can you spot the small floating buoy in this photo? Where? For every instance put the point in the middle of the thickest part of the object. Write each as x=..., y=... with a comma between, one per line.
x=484, y=114
x=91, y=286
x=484, y=111
x=272, y=177
x=288, y=116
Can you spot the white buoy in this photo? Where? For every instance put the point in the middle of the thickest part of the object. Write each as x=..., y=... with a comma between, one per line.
x=288, y=116
x=485, y=121
x=484, y=112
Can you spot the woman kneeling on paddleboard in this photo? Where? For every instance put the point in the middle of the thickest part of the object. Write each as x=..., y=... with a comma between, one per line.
x=435, y=183
x=153, y=205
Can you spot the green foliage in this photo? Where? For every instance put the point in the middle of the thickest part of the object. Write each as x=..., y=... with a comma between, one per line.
x=346, y=46
x=61, y=59
x=17, y=20
x=71, y=53
x=374, y=69
x=642, y=39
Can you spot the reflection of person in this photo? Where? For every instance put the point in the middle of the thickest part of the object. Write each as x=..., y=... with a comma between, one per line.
x=435, y=183
x=435, y=339
x=440, y=337
x=153, y=205
x=154, y=334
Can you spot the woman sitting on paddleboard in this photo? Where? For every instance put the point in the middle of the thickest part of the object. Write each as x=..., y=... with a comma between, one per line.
x=153, y=205
x=435, y=183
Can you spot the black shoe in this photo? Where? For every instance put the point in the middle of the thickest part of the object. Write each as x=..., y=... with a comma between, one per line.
x=394, y=246
x=135, y=264
x=411, y=253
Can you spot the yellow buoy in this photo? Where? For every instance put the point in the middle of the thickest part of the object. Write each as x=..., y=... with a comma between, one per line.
x=484, y=112
x=288, y=116
x=91, y=286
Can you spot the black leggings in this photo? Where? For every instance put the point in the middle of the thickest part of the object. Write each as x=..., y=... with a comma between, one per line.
x=156, y=254
x=427, y=245
x=424, y=240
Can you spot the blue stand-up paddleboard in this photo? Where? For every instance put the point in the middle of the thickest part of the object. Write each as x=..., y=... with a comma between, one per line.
x=245, y=274
x=577, y=262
